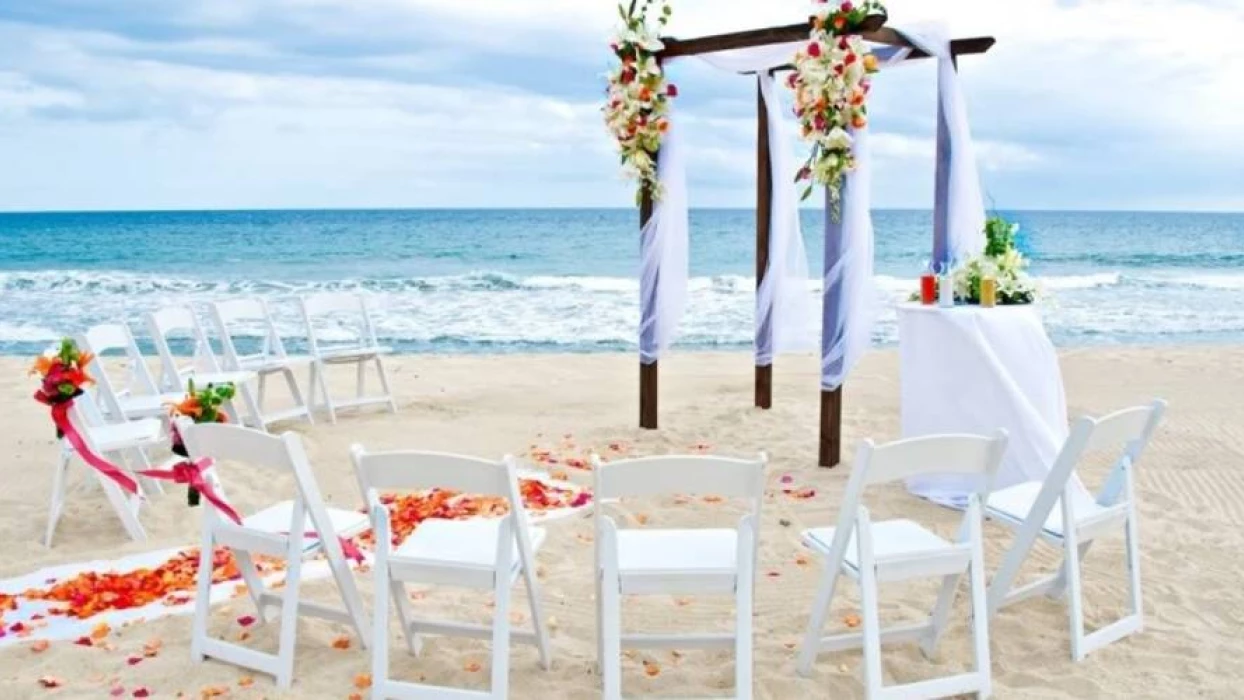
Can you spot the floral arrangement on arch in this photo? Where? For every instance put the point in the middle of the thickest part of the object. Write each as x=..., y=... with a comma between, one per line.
x=637, y=102
x=831, y=87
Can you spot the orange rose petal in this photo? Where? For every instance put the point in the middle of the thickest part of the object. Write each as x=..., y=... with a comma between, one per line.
x=100, y=631
x=852, y=620
x=472, y=667
x=354, y=696
x=362, y=681
x=342, y=642
x=651, y=669
x=246, y=681
x=40, y=646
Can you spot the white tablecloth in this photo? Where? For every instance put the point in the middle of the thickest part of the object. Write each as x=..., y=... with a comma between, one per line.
x=969, y=369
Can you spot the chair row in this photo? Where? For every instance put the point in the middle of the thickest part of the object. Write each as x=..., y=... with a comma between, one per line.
x=123, y=419
x=491, y=555
x=326, y=317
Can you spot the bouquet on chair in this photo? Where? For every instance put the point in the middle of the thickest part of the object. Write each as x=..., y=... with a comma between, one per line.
x=62, y=374
x=200, y=406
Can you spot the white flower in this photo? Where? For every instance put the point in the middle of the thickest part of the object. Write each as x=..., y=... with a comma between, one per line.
x=838, y=139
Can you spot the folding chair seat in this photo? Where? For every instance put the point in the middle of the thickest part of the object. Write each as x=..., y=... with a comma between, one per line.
x=204, y=367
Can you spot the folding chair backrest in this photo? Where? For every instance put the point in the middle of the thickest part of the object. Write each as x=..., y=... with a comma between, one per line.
x=228, y=314
x=940, y=454
x=417, y=471
x=689, y=475
x=350, y=312
x=233, y=443
x=414, y=470
x=179, y=319
x=1127, y=431
x=109, y=338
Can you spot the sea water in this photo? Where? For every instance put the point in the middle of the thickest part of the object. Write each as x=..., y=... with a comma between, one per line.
x=494, y=281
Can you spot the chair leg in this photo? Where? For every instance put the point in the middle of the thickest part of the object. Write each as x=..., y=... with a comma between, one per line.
x=319, y=372
x=816, y=624
x=1075, y=599
x=57, y=504
x=980, y=607
x=203, y=592
x=743, y=629
x=142, y=463
x=384, y=384
x=289, y=621
x=537, y=616
x=255, y=588
x=1132, y=532
x=611, y=634
x=414, y=644
x=872, y=619
x=292, y=382
x=380, y=625
x=360, y=389
x=941, y=613
x=253, y=406
x=501, y=629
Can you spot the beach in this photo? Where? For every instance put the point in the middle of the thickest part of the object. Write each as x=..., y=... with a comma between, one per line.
x=1190, y=488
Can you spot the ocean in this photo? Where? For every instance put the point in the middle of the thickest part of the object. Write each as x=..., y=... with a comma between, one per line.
x=497, y=281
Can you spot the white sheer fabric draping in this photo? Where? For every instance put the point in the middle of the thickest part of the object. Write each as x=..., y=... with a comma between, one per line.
x=850, y=300
x=664, y=254
x=850, y=294
x=966, y=206
x=783, y=300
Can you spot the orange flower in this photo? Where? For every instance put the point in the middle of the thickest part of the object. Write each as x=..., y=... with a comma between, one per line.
x=44, y=364
x=190, y=408
x=840, y=22
x=84, y=359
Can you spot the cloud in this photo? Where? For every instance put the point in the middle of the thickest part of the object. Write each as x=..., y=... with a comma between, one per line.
x=270, y=103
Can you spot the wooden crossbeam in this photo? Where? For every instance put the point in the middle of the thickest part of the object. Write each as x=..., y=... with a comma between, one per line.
x=751, y=38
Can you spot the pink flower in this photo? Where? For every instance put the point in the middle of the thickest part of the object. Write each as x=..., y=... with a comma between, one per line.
x=847, y=6
x=792, y=80
x=671, y=90
x=814, y=49
x=819, y=123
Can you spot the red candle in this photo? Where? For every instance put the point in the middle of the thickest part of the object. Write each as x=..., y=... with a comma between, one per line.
x=928, y=289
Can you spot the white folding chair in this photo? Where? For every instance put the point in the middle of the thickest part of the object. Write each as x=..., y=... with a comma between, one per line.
x=140, y=396
x=357, y=345
x=203, y=368
x=112, y=441
x=291, y=530
x=708, y=561
x=485, y=554
x=1062, y=513
x=897, y=550
x=271, y=358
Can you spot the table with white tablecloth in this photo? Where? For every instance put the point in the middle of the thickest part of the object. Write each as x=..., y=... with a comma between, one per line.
x=970, y=369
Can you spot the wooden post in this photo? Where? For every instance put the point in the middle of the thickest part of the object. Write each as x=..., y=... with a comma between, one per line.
x=830, y=454
x=647, y=372
x=764, y=208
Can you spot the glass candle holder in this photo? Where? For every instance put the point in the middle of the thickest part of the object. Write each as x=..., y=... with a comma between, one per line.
x=989, y=292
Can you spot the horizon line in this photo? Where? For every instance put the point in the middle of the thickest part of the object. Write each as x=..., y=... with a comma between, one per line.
x=221, y=210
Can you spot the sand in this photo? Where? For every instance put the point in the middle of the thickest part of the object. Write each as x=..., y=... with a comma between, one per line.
x=1190, y=488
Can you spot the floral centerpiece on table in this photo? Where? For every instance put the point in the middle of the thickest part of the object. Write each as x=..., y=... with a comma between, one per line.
x=638, y=98
x=1001, y=261
x=831, y=87
x=201, y=406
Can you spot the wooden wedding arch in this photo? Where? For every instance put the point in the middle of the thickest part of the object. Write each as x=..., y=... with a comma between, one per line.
x=872, y=30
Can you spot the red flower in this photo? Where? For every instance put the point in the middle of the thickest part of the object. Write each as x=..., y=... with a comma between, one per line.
x=628, y=76
x=847, y=6
x=851, y=58
x=671, y=90
x=814, y=49
x=792, y=80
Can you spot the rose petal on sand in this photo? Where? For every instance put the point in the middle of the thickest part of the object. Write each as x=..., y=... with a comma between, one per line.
x=246, y=620
x=362, y=681
x=39, y=646
x=50, y=682
x=472, y=667
x=142, y=693
x=651, y=668
x=851, y=620
x=787, y=479
x=152, y=648
x=133, y=660
x=342, y=642
x=246, y=682
x=100, y=631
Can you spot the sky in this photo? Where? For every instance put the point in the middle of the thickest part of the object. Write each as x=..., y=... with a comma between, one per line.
x=224, y=104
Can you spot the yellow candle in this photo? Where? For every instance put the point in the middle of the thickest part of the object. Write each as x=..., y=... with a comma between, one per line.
x=989, y=291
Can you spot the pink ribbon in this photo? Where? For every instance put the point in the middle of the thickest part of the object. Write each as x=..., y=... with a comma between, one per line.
x=348, y=548
x=191, y=474
x=60, y=416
